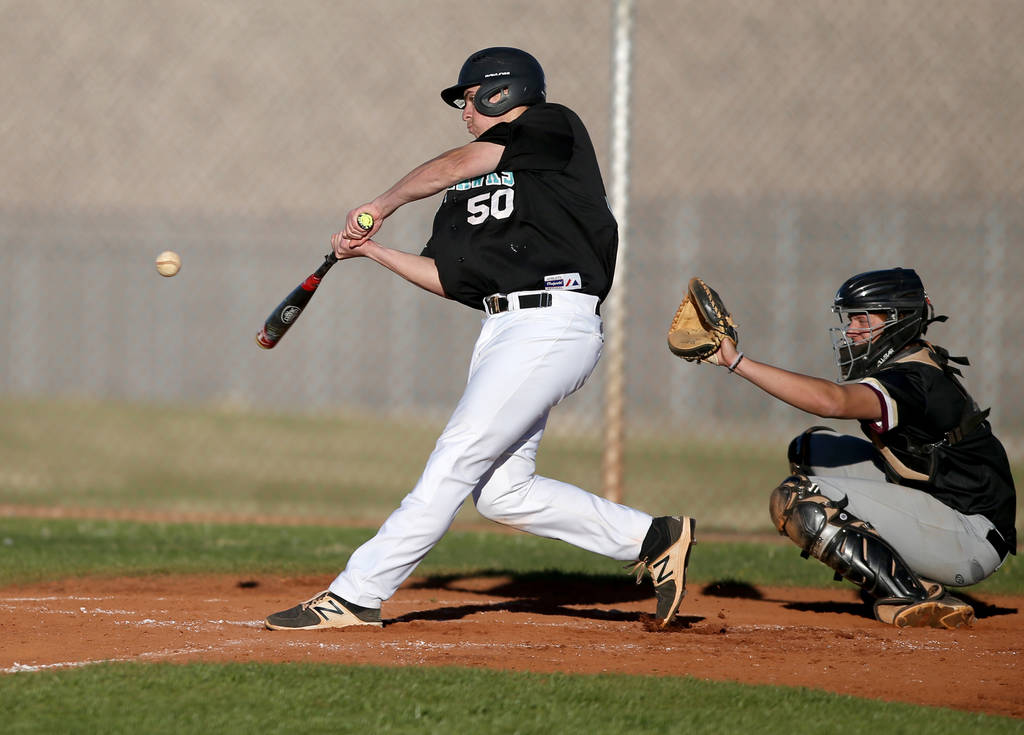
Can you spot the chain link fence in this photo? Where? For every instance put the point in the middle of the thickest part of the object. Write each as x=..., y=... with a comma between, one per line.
x=776, y=148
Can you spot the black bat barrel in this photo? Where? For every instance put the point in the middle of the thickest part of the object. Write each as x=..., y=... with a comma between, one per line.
x=284, y=315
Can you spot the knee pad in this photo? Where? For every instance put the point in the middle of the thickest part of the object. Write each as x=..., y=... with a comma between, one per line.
x=800, y=511
x=824, y=529
x=796, y=490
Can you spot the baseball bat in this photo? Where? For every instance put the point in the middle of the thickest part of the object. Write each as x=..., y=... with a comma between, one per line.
x=288, y=311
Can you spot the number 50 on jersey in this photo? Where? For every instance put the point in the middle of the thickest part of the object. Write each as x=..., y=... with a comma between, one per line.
x=498, y=203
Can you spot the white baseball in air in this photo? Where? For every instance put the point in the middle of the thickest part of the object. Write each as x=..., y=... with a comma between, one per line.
x=168, y=263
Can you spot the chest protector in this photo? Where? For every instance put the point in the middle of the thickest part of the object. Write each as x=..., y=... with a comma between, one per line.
x=907, y=459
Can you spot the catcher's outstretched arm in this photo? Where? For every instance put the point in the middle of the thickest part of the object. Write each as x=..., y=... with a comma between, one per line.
x=814, y=395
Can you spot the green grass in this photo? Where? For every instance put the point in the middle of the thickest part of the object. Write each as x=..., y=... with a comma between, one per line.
x=109, y=456
x=287, y=698
x=87, y=454
x=347, y=468
x=34, y=550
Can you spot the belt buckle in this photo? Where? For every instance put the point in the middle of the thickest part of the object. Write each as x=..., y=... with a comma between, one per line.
x=493, y=303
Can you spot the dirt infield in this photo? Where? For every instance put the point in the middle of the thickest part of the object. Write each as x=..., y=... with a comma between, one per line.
x=822, y=639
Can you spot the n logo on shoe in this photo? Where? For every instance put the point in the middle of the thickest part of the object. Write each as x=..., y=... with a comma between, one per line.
x=325, y=612
x=663, y=572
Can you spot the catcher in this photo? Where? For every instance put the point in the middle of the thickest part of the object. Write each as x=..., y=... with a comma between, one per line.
x=927, y=499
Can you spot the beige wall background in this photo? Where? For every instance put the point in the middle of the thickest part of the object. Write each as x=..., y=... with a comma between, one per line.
x=777, y=148
x=263, y=107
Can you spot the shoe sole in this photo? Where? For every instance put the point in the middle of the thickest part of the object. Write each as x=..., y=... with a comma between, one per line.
x=344, y=623
x=678, y=571
x=935, y=615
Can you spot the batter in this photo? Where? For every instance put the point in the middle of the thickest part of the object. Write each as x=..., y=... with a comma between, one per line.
x=523, y=233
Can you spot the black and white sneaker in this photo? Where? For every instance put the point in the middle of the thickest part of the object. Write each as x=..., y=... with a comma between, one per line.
x=665, y=554
x=325, y=610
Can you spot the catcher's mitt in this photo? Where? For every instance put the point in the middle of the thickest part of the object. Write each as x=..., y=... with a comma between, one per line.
x=700, y=324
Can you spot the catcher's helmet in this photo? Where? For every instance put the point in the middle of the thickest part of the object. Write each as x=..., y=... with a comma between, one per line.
x=899, y=295
x=513, y=73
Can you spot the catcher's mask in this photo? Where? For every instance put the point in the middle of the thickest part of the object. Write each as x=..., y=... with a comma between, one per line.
x=898, y=296
x=509, y=72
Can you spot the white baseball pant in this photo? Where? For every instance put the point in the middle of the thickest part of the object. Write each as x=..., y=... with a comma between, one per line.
x=525, y=361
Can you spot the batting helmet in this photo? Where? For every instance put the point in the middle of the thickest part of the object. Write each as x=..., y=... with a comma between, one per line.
x=899, y=295
x=510, y=72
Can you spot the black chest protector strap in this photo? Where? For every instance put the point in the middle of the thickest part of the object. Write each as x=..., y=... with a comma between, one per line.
x=972, y=417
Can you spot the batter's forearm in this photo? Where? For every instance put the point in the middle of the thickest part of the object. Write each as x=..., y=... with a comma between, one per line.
x=416, y=269
x=423, y=181
x=437, y=174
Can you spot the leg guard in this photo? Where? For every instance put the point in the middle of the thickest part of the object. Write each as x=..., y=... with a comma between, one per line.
x=826, y=531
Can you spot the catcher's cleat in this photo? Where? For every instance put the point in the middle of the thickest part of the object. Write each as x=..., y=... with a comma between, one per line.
x=665, y=554
x=940, y=610
x=325, y=610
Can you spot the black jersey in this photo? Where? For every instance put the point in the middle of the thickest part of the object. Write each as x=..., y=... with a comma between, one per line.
x=928, y=440
x=540, y=221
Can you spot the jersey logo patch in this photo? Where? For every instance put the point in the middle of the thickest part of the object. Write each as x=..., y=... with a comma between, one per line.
x=563, y=281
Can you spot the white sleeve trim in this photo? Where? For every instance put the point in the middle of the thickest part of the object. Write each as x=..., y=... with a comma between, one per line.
x=890, y=414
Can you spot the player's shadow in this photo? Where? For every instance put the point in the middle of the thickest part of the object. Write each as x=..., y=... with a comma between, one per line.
x=861, y=608
x=541, y=593
x=984, y=609
x=568, y=595
x=865, y=607
x=736, y=589
x=733, y=589
x=862, y=605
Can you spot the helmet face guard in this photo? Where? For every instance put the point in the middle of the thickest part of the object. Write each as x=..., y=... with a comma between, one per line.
x=896, y=294
x=861, y=352
x=508, y=78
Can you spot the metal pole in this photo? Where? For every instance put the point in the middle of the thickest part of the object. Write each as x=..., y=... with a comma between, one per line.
x=622, y=22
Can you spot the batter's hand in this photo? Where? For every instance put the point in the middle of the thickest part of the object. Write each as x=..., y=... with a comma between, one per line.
x=353, y=231
x=345, y=248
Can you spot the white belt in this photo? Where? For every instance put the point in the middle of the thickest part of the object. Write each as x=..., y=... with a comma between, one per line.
x=501, y=302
